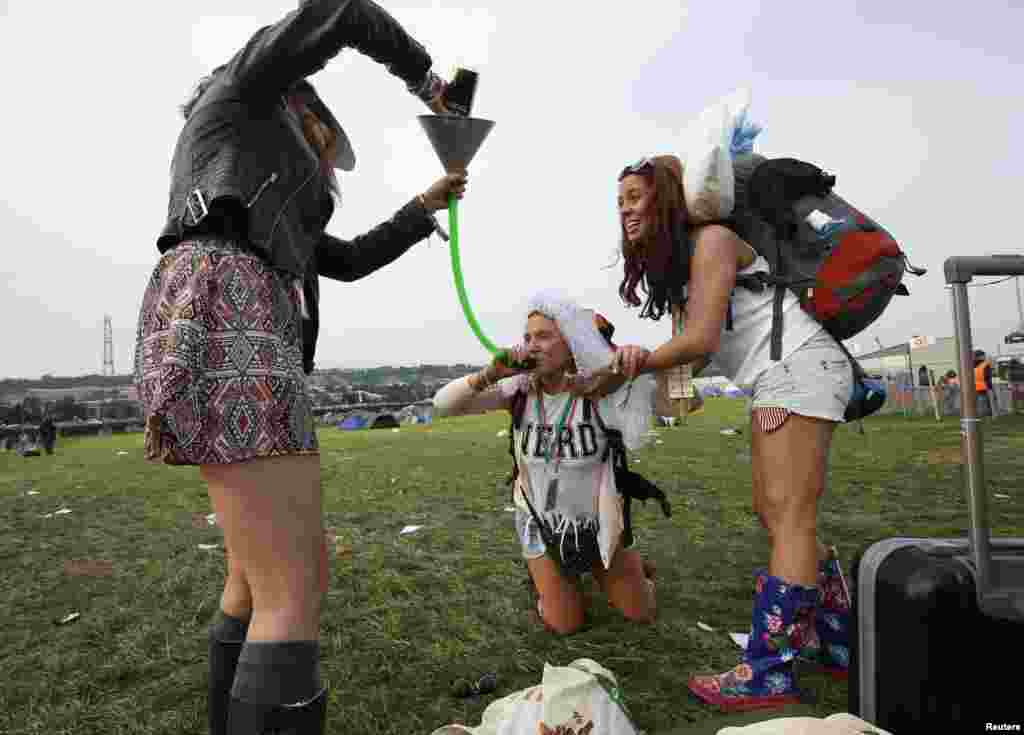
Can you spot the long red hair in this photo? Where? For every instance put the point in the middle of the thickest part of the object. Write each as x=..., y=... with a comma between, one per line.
x=660, y=263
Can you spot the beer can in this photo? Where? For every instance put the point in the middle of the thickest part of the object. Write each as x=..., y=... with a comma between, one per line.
x=458, y=97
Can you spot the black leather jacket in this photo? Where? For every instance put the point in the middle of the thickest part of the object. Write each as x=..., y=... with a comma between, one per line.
x=242, y=145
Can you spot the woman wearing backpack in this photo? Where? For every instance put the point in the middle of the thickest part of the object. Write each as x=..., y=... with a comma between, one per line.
x=694, y=273
x=566, y=487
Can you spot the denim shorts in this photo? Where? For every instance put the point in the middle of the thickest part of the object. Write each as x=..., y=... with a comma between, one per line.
x=528, y=534
x=814, y=381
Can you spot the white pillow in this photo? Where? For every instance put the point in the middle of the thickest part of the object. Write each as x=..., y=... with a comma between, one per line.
x=710, y=142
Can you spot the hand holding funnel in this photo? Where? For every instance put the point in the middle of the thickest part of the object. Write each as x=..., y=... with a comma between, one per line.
x=456, y=141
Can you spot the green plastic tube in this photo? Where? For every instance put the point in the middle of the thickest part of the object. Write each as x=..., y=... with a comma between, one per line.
x=460, y=286
x=499, y=354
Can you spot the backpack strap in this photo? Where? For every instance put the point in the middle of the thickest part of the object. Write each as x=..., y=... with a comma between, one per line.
x=629, y=484
x=780, y=294
x=858, y=370
x=517, y=409
x=616, y=449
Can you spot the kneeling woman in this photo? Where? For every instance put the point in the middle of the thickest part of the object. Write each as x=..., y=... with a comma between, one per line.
x=565, y=487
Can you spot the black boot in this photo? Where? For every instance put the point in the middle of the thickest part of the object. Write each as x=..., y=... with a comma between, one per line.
x=226, y=639
x=303, y=718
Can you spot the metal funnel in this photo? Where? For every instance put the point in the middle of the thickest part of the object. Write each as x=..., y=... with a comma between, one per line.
x=455, y=139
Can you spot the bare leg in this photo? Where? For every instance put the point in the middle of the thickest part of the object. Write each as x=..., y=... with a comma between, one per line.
x=790, y=466
x=271, y=514
x=627, y=586
x=561, y=604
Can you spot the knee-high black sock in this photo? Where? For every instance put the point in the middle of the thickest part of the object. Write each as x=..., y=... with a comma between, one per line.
x=278, y=672
x=226, y=638
x=228, y=629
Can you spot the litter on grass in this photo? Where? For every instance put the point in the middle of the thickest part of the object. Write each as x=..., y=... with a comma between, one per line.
x=409, y=529
x=88, y=568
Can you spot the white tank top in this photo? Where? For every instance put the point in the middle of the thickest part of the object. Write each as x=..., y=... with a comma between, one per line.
x=744, y=352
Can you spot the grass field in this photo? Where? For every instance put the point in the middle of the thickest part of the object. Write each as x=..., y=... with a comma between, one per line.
x=405, y=615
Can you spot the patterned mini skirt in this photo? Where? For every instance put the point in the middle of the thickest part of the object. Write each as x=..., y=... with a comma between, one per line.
x=218, y=358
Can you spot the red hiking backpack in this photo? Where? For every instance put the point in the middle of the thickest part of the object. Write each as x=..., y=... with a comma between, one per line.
x=842, y=265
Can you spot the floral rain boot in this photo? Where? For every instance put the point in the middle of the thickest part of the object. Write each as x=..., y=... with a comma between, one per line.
x=764, y=678
x=822, y=637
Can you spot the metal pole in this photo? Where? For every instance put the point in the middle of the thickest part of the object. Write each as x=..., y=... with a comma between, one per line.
x=1020, y=306
x=971, y=440
x=913, y=382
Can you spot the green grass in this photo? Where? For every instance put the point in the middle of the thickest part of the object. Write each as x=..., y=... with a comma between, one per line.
x=405, y=615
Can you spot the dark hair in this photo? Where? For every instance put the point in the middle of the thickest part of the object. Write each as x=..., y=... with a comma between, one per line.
x=660, y=264
x=606, y=328
x=200, y=89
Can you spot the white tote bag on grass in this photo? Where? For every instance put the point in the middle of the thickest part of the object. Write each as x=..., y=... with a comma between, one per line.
x=838, y=724
x=582, y=698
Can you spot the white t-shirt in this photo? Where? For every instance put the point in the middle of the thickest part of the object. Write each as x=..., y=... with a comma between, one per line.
x=744, y=352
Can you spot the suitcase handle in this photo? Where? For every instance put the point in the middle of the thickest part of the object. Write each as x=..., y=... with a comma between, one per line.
x=997, y=600
x=962, y=269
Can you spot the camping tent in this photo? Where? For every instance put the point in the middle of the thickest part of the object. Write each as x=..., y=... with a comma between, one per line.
x=385, y=421
x=352, y=422
x=731, y=391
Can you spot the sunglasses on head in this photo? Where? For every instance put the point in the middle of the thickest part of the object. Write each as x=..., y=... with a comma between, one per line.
x=641, y=165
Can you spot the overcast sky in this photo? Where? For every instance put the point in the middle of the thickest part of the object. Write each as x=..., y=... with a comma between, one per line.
x=918, y=112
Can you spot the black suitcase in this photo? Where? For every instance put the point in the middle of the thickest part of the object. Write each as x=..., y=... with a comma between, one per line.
x=937, y=630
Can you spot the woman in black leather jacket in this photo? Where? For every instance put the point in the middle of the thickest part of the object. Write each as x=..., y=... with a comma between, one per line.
x=228, y=326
